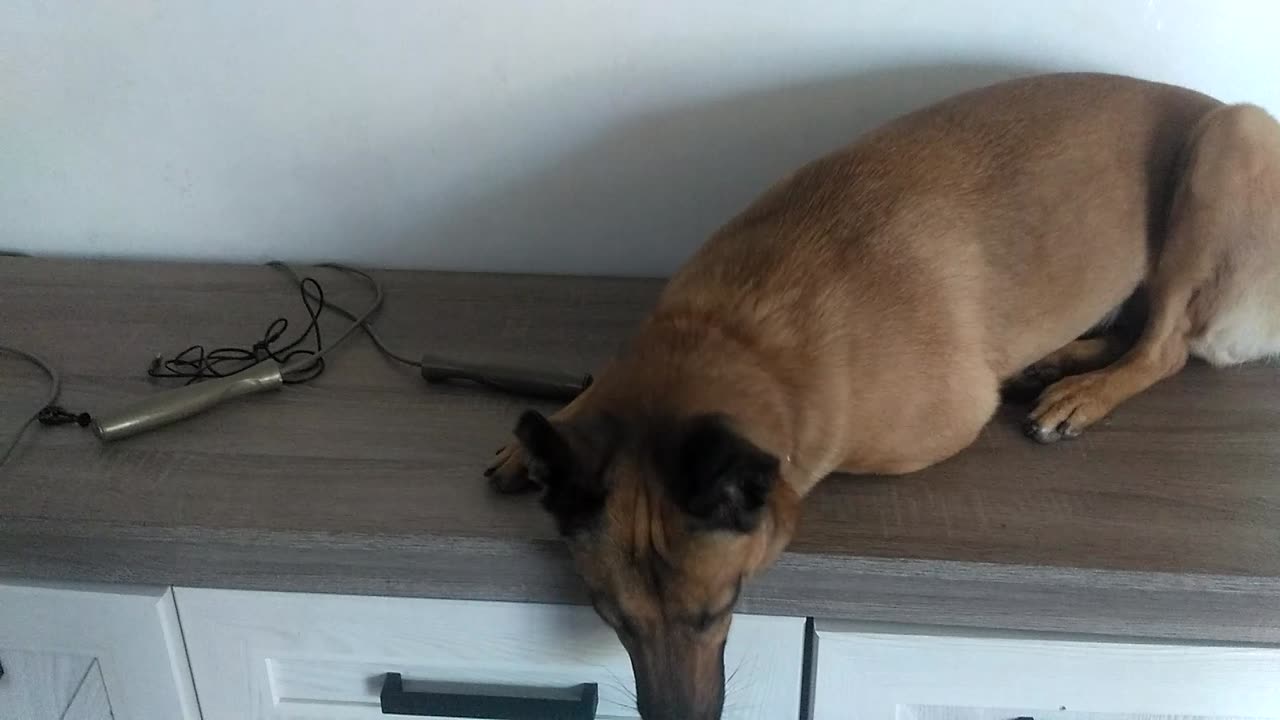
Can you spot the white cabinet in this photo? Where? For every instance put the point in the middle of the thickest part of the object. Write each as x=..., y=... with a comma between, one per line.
x=59, y=686
x=92, y=653
x=285, y=656
x=938, y=712
x=90, y=701
x=875, y=673
x=112, y=653
x=40, y=684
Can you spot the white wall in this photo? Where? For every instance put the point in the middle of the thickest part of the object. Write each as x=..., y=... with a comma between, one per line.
x=553, y=135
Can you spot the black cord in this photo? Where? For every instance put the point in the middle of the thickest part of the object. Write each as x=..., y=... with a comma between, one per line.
x=55, y=387
x=364, y=324
x=299, y=364
x=198, y=363
x=54, y=415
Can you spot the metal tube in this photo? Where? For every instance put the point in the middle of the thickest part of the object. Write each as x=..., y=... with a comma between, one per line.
x=173, y=405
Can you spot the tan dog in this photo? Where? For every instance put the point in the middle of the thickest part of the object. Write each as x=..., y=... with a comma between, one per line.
x=863, y=315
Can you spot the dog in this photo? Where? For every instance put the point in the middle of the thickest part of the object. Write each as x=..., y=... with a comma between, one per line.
x=864, y=315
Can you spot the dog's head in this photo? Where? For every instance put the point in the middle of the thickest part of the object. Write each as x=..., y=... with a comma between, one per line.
x=665, y=518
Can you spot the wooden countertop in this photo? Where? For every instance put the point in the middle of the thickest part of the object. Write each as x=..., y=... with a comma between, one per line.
x=1164, y=522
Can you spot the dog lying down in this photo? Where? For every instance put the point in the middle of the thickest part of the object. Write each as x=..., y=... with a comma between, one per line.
x=864, y=314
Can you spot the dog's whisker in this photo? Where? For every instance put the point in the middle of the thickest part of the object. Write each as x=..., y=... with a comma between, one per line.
x=733, y=696
x=623, y=686
x=732, y=710
x=624, y=691
x=728, y=682
x=738, y=680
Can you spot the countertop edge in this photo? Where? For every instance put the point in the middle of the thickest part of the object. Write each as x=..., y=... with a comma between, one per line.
x=1155, y=605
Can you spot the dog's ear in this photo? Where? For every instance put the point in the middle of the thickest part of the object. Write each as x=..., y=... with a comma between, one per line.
x=549, y=456
x=720, y=478
x=567, y=467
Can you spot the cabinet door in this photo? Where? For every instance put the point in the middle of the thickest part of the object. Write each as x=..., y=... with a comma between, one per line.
x=91, y=653
x=90, y=701
x=875, y=673
x=939, y=712
x=39, y=685
x=284, y=656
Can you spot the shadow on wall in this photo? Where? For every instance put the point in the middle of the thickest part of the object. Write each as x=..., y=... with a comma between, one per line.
x=637, y=199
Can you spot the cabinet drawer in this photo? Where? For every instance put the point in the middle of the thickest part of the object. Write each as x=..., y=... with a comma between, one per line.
x=260, y=656
x=71, y=650
x=875, y=673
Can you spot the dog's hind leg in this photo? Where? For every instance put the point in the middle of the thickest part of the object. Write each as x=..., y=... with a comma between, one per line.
x=1106, y=343
x=1073, y=403
x=1079, y=356
x=1223, y=235
x=1241, y=317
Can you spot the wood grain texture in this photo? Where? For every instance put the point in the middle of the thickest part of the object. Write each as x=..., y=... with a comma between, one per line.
x=1164, y=521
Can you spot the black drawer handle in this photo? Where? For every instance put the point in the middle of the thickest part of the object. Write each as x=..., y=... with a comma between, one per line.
x=396, y=701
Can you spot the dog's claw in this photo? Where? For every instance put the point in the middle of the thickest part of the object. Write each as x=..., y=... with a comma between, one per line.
x=1039, y=433
x=509, y=473
x=1068, y=407
x=1065, y=430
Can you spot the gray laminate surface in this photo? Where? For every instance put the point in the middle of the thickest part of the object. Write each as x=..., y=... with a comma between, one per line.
x=1163, y=522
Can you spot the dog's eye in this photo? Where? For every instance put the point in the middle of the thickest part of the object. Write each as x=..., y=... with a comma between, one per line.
x=704, y=621
x=709, y=617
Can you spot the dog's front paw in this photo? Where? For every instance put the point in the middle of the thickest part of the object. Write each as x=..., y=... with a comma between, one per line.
x=1069, y=406
x=509, y=471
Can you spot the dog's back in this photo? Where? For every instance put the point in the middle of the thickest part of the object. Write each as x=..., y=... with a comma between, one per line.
x=1030, y=191
x=952, y=247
